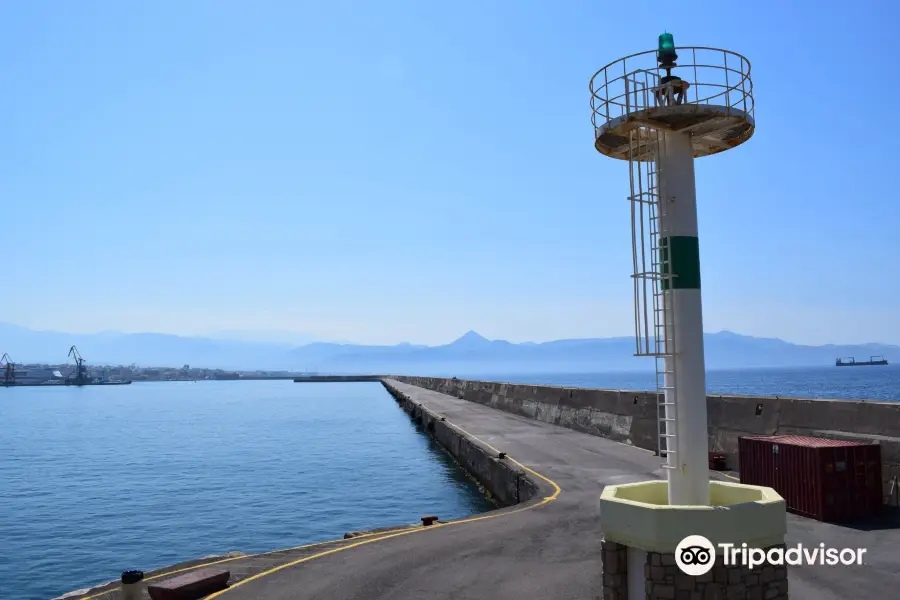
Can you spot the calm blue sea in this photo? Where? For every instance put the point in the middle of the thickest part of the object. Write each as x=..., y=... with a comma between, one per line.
x=861, y=383
x=100, y=479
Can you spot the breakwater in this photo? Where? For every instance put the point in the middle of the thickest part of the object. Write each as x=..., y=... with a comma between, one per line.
x=630, y=416
x=337, y=378
x=502, y=479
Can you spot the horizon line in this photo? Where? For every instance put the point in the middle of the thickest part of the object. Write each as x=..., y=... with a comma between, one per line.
x=403, y=343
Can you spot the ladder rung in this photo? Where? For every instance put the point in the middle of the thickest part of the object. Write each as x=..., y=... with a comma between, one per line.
x=667, y=435
x=667, y=419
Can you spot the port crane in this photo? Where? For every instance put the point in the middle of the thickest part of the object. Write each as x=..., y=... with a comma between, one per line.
x=80, y=370
x=9, y=369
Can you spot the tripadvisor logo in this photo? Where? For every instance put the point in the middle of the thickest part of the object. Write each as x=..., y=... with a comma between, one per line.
x=695, y=555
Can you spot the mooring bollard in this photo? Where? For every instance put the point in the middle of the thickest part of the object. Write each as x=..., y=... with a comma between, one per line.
x=132, y=585
x=429, y=520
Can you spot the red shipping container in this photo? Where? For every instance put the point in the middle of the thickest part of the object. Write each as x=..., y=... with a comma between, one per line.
x=827, y=480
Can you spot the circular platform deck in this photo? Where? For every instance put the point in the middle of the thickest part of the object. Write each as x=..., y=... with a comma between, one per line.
x=708, y=95
x=712, y=128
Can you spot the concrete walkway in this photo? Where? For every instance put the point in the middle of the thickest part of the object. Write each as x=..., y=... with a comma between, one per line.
x=548, y=549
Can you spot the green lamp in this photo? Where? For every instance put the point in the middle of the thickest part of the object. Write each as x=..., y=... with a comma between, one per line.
x=665, y=54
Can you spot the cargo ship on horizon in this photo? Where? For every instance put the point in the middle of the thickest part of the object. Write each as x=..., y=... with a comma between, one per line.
x=851, y=362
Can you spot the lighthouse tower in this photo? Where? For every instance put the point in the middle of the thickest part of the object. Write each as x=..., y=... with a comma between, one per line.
x=659, y=110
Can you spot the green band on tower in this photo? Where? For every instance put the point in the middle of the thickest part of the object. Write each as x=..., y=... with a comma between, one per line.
x=681, y=254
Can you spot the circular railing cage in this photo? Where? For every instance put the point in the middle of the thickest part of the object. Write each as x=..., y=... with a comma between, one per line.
x=718, y=79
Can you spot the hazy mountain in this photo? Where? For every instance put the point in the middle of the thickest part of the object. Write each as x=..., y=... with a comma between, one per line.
x=470, y=354
x=146, y=349
x=288, y=338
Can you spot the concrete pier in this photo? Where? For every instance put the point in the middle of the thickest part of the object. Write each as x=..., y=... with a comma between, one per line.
x=630, y=416
x=545, y=545
x=338, y=378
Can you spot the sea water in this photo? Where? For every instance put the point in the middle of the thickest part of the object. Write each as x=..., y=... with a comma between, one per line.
x=856, y=383
x=97, y=480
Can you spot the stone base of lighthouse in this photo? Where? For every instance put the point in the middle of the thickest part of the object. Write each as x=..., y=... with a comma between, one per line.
x=641, y=532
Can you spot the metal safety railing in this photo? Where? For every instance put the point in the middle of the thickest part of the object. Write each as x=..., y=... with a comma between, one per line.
x=717, y=77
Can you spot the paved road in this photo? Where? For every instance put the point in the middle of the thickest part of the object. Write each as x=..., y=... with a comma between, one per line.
x=548, y=551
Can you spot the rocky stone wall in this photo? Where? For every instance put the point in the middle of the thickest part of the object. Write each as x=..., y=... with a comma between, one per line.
x=615, y=570
x=663, y=580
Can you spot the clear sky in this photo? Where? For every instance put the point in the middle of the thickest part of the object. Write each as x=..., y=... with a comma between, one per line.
x=405, y=171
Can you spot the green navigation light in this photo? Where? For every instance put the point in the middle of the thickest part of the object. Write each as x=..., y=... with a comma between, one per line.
x=666, y=43
x=665, y=55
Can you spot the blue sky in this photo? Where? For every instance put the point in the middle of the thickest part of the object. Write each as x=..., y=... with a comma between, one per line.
x=406, y=171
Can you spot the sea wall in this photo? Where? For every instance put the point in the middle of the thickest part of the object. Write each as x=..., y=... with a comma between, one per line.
x=507, y=484
x=630, y=416
x=337, y=378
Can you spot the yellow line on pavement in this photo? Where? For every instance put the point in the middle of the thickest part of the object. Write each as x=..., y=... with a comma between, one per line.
x=225, y=560
x=556, y=488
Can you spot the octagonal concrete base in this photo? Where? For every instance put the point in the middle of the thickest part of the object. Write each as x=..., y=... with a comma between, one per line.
x=638, y=515
x=641, y=532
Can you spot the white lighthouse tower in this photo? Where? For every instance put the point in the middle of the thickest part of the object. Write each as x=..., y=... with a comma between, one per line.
x=659, y=110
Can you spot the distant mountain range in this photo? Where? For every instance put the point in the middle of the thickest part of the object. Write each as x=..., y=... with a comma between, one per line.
x=470, y=355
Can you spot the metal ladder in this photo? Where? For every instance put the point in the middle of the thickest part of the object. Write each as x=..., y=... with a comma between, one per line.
x=653, y=317
x=664, y=342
